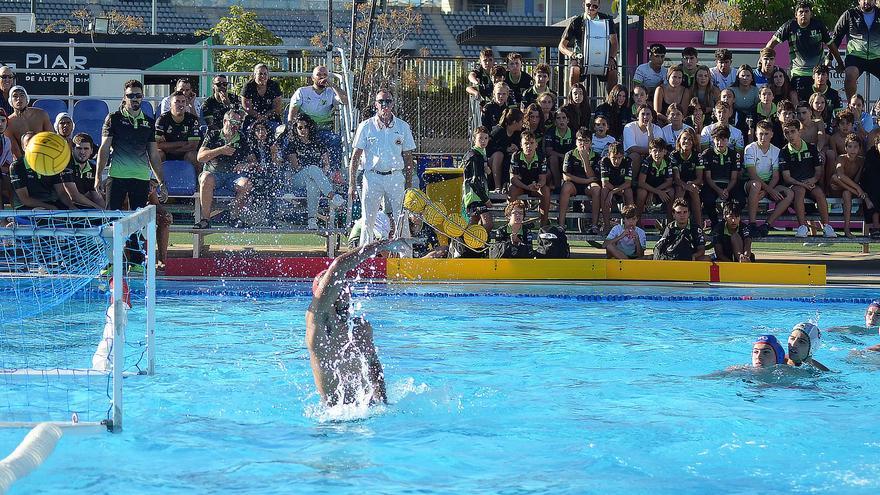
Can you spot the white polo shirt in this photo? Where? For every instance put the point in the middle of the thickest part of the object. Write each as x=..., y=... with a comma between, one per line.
x=634, y=136
x=764, y=163
x=736, y=142
x=383, y=146
x=317, y=106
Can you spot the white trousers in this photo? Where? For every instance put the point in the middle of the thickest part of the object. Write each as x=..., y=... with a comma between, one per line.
x=377, y=187
x=313, y=180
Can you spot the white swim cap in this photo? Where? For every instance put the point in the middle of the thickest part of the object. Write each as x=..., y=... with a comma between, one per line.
x=18, y=88
x=813, y=333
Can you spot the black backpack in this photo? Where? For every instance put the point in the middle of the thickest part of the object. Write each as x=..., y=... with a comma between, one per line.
x=552, y=243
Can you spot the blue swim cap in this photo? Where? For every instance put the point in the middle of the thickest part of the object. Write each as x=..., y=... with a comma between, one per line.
x=774, y=343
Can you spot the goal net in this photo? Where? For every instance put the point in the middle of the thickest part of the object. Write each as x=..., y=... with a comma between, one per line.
x=68, y=332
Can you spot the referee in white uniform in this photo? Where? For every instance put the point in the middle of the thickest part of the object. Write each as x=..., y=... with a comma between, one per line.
x=386, y=144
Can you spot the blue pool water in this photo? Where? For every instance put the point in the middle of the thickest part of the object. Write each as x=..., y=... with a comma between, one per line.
x=530, y=389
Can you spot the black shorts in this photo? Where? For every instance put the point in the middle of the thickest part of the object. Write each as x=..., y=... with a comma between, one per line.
x=580, y=189
x=656, y=182
x=799, y=83
x=870, y=66
x=137, y=191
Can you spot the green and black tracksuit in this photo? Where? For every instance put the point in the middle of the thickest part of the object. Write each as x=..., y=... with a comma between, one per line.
x=475, y=188
x=863, y=42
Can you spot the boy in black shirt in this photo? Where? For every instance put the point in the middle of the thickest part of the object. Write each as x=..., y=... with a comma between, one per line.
x=528, y=175
x=655, y=178
x=615, y=170
x=517, y=80
x=731, y=244
x=177, y=132
x=83, y=167
x=581, y=178
x=681, y=240
x=799, y=163
x=475, y=188
x=721, y=169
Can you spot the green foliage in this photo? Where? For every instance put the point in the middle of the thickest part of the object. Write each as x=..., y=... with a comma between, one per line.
x=241, y=27
x=768, y=15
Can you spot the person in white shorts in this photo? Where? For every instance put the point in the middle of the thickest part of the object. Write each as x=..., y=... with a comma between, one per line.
x=385, y=143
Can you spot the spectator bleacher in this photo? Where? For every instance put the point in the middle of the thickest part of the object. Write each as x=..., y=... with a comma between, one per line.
x=459, y=22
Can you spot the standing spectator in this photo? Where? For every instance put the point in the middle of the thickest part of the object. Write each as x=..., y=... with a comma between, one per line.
x=83, y=168
x=616, y=172
x=616, y=110
x=580, y=170
x=626, y=240
x=503, y=143
x=481, y=76
x=225, y=155
x=689, y=62
x=681, y=240
x=807, y=38
x=261, y=98
x=799, y=163
x=193, y=103
x=220, y=102
x=652, y=74
x=687, y=171
x=819, y=84
x=573, y=39
x=721, y=171
x=763, y=73
x=744, y=90
x=7, y=81
x=386, y=144
x=673, y=93
x=637, y=135
x=518, y=81
x=310, y=162
x=762, y=163
x=491, y=112
x=318, y=102
x=130, y=136
x=722, y=74
x=528, y=175
x=24, y=119
x=475, y=187
x=5, y=162
x=64, y=126
x=541, y=78
x=862, y=47
x=177, y=132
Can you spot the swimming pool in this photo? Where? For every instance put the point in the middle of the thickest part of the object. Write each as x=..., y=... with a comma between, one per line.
x=493, y=389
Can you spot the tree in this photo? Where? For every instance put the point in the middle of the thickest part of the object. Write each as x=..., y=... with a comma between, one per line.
x=768, y=15
x=242, y=28
x=117, y=23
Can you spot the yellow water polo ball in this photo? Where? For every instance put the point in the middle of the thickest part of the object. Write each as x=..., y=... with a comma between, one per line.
x=47, y=153
x=454, y=225
x=435, y=215
x=475, y=236
x=415, y=200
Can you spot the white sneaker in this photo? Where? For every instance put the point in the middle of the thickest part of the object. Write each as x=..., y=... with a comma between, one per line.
x=828, y=231
x=313, y=224
x=336, y=201
x=801, y=231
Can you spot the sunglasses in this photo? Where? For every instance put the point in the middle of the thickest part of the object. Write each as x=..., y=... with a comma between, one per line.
x=7, y=76
x=134, y=96
x=221, y=84
x=385, y=102
x=593, y=6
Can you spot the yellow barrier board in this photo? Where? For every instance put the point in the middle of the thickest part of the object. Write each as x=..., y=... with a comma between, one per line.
x=600, y=269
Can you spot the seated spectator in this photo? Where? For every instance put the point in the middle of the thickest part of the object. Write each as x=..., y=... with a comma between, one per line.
x=580, y=171
x=541, y=76
x=655, y=178
x=785, y=112
x=674, y=93
x=762, y=164
x=652, y=74
x=220, y=102
x=764, y=110
x=518, y=81
x=5, y=160
x=870, y=184
x=261, y=98
x=736, y=118
x=178, y=133
x=821, y=73
x=481, y=77
x=812, y=131
x=730, y=241
x=616, y=172
x=503, y=143
x=822, y=112
x=681, y=240
x=528, y=175
x=845, y=179
x=44, y=192
x=491, y=112
x=801, y=169
x=696, y=119
x=845, y=127
x=547, y=102
x=83, y=168
x=687, y=172
x=676, y=125
x=475, y=187
x=763, y=73
x=782, y=88
x=745, y=90
x=722, y=116
x=193, y=103
x=226, y=157
x=7, y=81
x=626, y=240
x=601, y=138
x=864, y=123
x=533, y=121
x=310, y=162
x=64, y=126
x=721, y=174
x=706, y=93
x=264, y=171
x=579, y=111
x=616, y=110
x=690, y=61
x=558, y=141
x=515, y=212
x=639, y=98
x=637, y=135
x=722, y=73
x=318, y=101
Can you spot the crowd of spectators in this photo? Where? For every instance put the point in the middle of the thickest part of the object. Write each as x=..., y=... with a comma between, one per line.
x=691, y=136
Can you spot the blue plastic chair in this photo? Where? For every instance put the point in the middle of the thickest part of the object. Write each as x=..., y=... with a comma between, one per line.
x=92, y=127
x=180, y=177
x=147, y=108
x=90, y=109
x=52, y=106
